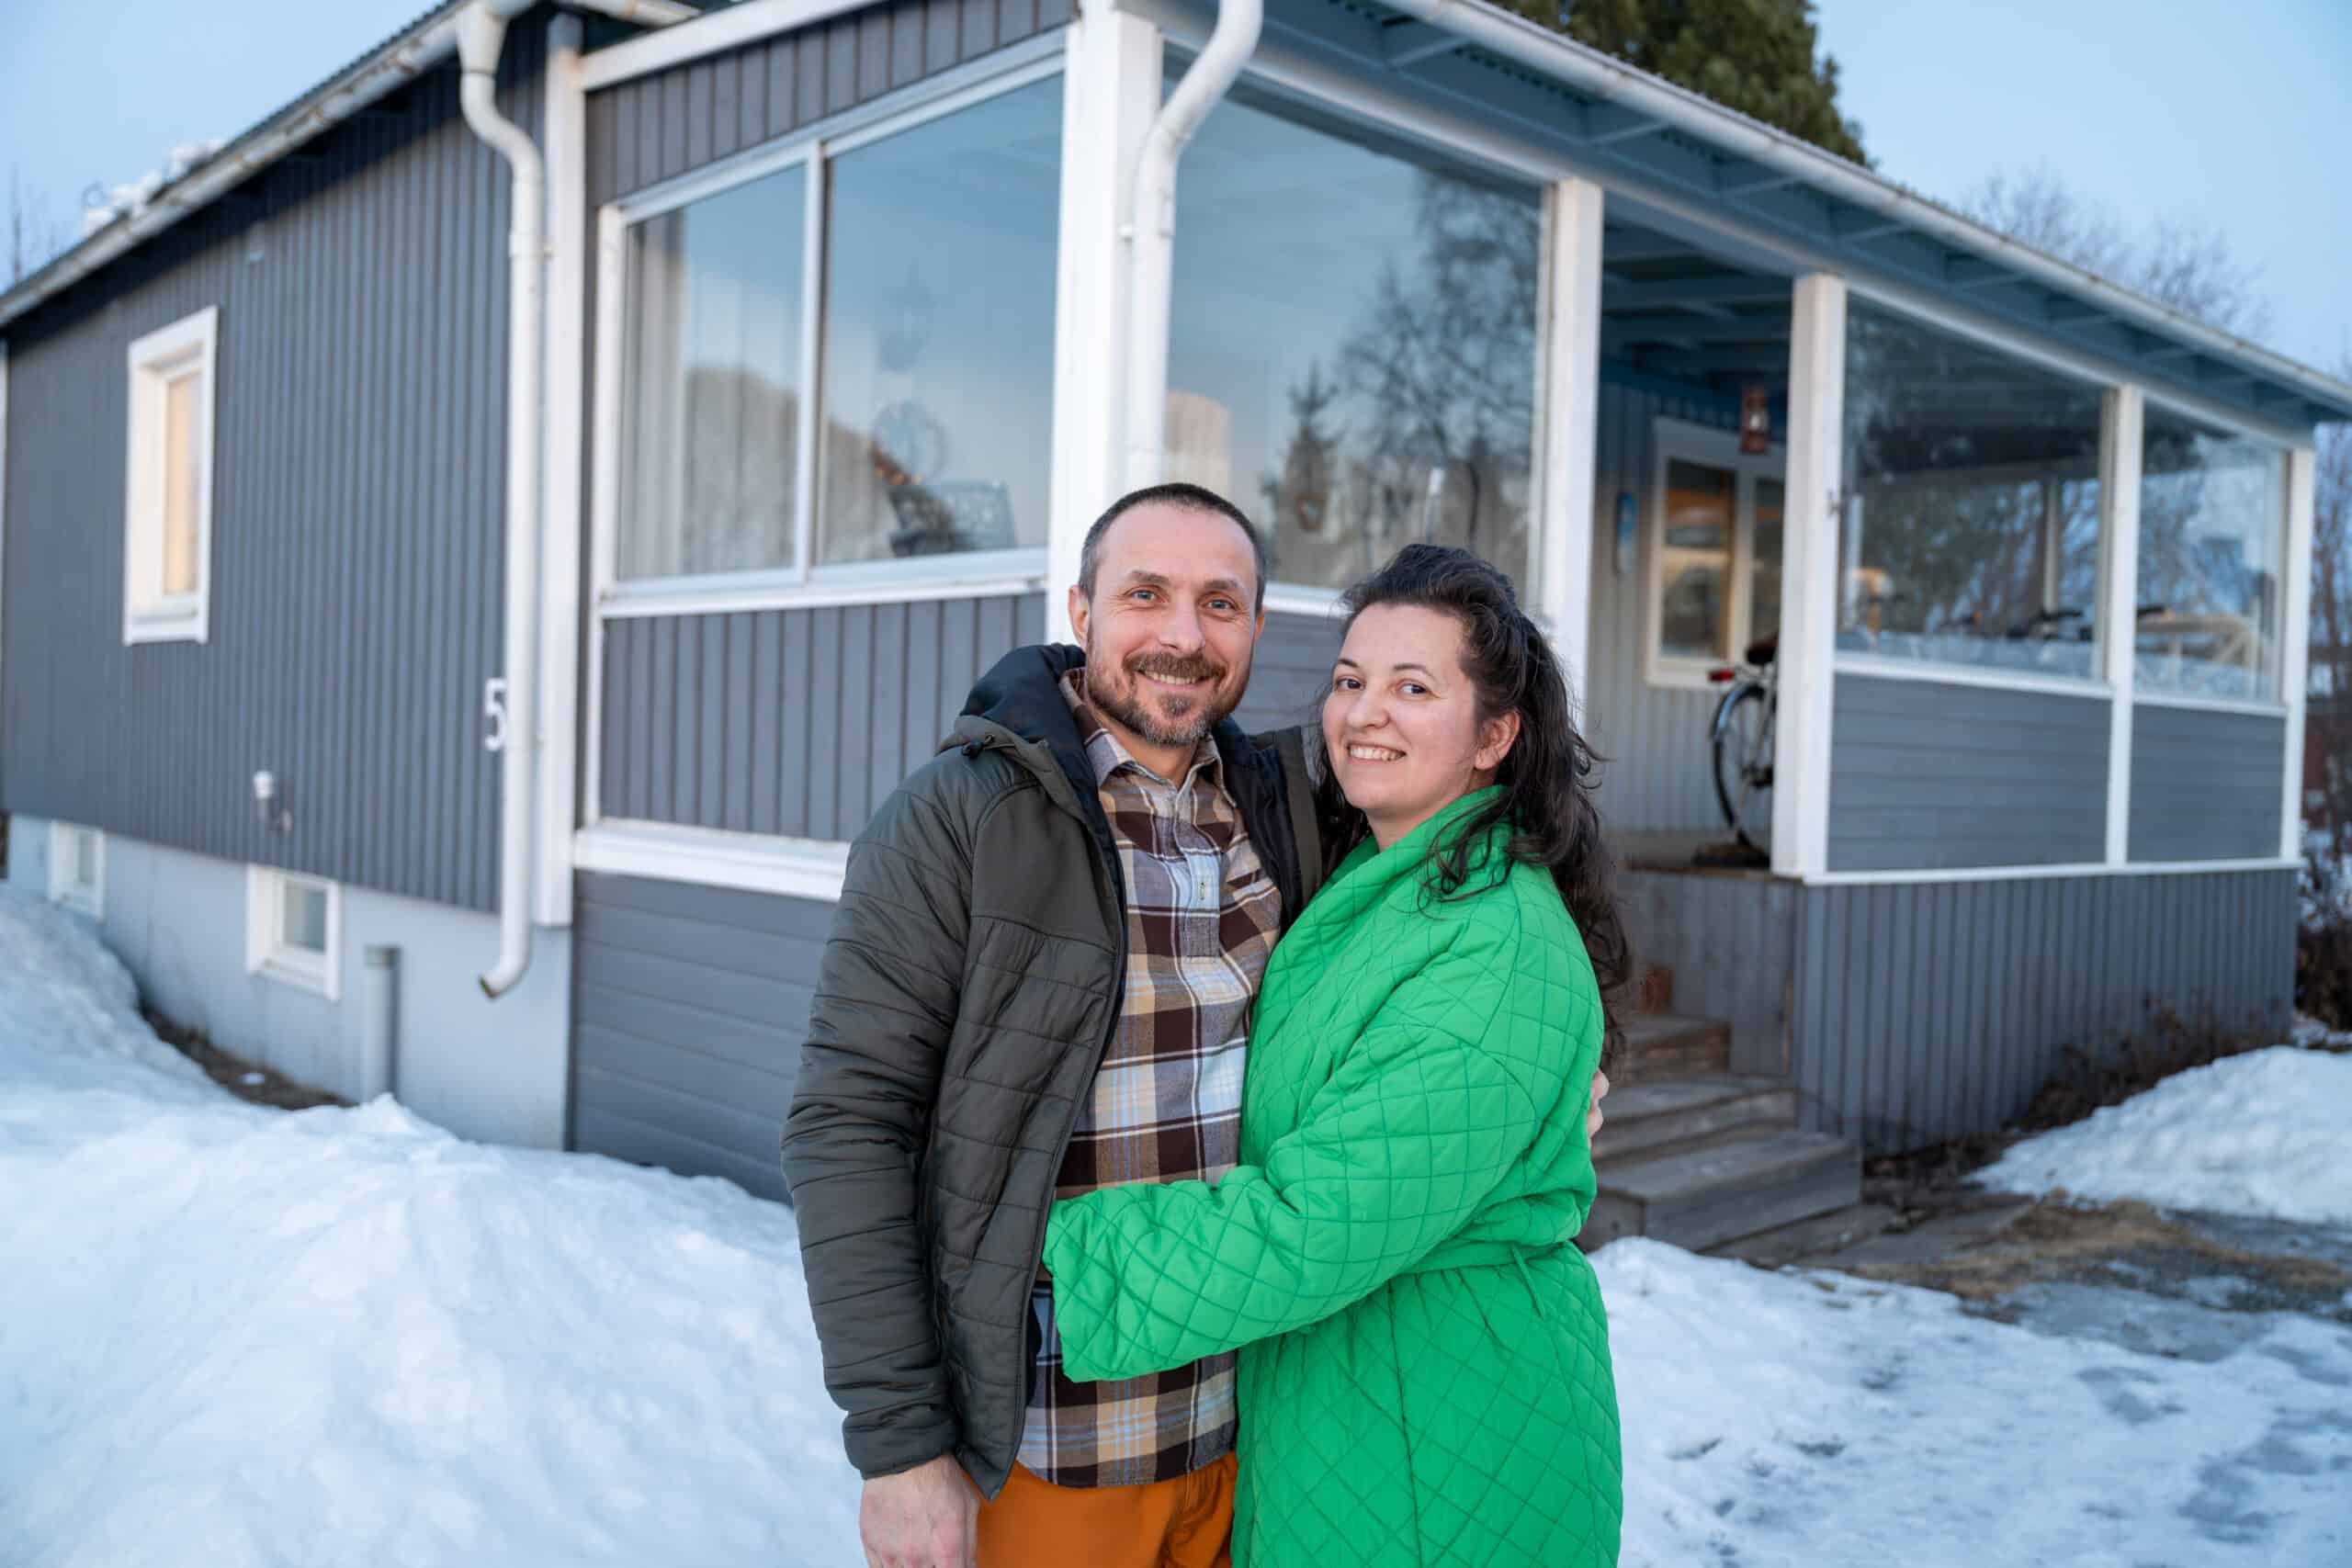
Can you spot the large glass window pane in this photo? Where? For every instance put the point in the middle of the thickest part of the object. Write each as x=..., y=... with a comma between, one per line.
x=2212, y=544
x=710, y=450
x=939, y=333
x=1695, y=566
x=1352, y=344
x=1971, y=518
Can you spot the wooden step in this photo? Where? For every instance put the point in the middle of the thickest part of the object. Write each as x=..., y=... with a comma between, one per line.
x=1664, y=1046
x=1736, y=1188
x=1809, y=1238
x=1648, y=1121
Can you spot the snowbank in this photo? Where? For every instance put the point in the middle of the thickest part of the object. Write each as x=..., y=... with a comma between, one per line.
x=2267, y=1133
x=240, y=1337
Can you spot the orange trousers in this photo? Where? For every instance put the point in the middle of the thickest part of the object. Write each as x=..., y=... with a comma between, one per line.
x=1183, y=1523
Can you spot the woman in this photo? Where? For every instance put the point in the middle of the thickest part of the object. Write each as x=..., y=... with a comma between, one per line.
x=1425, y=1370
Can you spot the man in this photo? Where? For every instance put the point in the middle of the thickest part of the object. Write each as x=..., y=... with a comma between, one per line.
x=1039, y=980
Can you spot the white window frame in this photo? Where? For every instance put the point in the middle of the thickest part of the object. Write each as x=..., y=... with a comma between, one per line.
x=186, y=346
x=265, y=950
x=1672, y=439
x=973, y=575
x=86, y=898
x=2278, y=706
x=804, y=582
x=2095, y=684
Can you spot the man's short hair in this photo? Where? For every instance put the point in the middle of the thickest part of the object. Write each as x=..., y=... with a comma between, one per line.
x=1184, y=498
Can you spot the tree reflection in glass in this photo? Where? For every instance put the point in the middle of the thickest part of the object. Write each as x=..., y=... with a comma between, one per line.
x=1353, y=344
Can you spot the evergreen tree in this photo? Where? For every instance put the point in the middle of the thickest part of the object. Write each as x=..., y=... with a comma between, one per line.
x=1755, y=56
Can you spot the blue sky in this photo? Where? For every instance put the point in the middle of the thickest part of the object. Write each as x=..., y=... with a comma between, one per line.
x=2228, y=116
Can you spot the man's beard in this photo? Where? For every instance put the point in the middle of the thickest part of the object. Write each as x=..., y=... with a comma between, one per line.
x=1196, y=713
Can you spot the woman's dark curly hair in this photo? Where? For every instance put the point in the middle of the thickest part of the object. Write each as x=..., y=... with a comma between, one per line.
x=1546, y=780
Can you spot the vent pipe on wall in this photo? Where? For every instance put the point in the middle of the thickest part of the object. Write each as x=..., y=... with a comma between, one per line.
x=378, y=1019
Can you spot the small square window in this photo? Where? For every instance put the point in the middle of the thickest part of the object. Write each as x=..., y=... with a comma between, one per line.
x=167, y=499
x=77, y=868
x=294, y=929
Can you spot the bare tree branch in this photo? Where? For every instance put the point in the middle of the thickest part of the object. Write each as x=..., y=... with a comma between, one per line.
x=2188, y=266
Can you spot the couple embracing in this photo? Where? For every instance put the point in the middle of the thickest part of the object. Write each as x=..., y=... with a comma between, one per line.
x=1092, y=1293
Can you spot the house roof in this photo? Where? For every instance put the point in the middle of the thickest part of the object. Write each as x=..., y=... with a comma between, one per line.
x=1477, y=59
x=375, y=73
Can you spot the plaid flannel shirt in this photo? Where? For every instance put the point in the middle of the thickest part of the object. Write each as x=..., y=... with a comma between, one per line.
x=1203, y=914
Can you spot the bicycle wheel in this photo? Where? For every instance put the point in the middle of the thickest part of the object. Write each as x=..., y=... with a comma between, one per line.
x=1742, y=737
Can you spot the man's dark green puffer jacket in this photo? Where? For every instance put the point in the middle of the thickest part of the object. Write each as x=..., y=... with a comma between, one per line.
x=969, y=987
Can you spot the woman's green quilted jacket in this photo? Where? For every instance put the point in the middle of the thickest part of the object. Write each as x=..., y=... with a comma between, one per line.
x=1425, y=1373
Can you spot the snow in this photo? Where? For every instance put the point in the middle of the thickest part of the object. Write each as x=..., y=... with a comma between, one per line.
x=240, y=1337
x=2268, y=1134
x=129, y=199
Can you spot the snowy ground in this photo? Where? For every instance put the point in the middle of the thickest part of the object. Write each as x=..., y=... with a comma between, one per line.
x=242, y=1336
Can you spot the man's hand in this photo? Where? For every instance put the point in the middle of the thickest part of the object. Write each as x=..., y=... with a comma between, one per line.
x=1592, y=1117
x=923, y=1518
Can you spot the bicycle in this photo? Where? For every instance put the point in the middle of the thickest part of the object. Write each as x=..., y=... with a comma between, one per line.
x=1741, y=737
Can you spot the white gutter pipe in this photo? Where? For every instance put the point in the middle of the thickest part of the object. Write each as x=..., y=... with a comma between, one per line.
x=1151, y=232
x=390, y=68
x=1609, y=79
x=481, y=33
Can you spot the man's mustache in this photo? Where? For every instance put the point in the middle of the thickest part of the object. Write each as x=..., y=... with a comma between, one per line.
x=1171, y=667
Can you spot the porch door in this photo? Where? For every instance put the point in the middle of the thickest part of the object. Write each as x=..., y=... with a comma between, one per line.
x=1720, y=558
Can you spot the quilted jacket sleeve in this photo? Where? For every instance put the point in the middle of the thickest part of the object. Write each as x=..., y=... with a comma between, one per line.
x=870, y=1075
x=1436, y=1101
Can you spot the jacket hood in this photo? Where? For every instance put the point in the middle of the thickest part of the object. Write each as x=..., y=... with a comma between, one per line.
x=1018, y=708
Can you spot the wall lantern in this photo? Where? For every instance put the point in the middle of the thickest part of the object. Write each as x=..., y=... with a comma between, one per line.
x=1754, y=420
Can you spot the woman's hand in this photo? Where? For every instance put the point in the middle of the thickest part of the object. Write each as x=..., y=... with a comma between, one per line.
x=1592, y=1117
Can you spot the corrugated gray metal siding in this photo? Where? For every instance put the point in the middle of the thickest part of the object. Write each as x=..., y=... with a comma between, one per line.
x=2205, y=785
x=791, y=721
x=1926, y=1010
x=1925, y=777
x=689, y=1008
x=654, y=128
x=1730, y=940
x=1658, y=777
x=358, y=485
x=1289, y=672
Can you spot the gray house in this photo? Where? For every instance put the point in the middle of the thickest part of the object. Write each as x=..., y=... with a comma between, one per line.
x=576, y=459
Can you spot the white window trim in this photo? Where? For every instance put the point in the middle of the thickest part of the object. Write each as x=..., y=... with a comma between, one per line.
x=1675, y=439
x=2286, y=452
x=89, y=899
x=1931, y=673
x=2071, y=869
x=2073, y=369
x=265, y=951
x=2247, y=706
x=154, y=361
x=564, y=115
x=712, y=857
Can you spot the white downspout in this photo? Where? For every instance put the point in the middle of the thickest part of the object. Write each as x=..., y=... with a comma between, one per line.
x=1151, y=233
x=481, y=33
